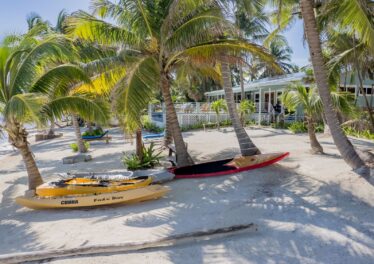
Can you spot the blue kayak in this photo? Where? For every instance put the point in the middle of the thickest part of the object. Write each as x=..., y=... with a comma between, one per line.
x=96, y=137
x=149, y=136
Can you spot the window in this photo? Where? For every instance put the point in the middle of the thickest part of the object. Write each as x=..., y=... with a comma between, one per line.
x=257, y=97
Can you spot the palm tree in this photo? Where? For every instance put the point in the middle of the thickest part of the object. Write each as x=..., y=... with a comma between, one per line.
x=28, y=73
x=246, y=107
x=299, y=95
x=282, y=53
x=309, y=99
x=344, y=146
x=217, y=107
x=156, y=38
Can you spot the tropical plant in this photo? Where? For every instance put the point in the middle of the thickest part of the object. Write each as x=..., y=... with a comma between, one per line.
x=353, y=15
x=28, y=74
x=157, y=38
x=282, y=52
x=344, y=146
x=246, y=107
x=150, y=158
x=74, y=146
x=219, y=106
x=311, y=103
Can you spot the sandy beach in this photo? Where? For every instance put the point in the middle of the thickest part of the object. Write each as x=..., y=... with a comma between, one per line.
x=308, y=208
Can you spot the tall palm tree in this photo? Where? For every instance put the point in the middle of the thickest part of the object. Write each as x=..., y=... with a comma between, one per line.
x=282, y=52
x=344, y=146
x=156, y=38
x=28, y=71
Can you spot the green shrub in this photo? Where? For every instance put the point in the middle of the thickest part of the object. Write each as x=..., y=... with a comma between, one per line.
x=149, y=126
x=319, y=128
x=150, y=159
x=359, y=134
x=298, y=127
x=280, y=125
x=96, y=132
x=74, y=146
x=132, y=162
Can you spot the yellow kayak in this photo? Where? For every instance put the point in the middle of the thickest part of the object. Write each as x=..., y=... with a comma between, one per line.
x=90, y=186
x=127, y=197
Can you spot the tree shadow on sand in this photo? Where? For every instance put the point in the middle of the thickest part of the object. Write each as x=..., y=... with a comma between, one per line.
x=301, y=220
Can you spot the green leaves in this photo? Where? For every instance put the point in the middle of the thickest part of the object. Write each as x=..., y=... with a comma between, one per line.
x=137, y=88
x=24, y=108
x=59, y=80
x=86, y=108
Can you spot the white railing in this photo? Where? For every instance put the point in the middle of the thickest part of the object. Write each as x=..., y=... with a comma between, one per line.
x=190, y=114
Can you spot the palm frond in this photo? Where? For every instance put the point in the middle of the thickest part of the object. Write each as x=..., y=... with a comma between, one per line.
x=136, y=90
x=24, y=108
x=59, y=80
x=81, y=105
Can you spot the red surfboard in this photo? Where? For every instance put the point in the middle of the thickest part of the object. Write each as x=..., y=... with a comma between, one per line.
x=227, y=166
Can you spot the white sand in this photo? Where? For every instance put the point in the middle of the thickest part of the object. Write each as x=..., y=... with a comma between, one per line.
x=309, y=209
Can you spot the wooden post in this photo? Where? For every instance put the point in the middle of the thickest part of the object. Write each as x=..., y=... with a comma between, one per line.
x=259, y=108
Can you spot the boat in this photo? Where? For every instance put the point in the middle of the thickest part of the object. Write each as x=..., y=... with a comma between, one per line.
x=227, y=166
x=83, y=185
x=77, y=201
x=95, y=137
x=158, y=176
x=150, y=136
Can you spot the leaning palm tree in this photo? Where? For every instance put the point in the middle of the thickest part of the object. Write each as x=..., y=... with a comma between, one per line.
x=320, y=71
x=350, y=14
x=156, y=38
x=298, y=95
x=308, y=98
x=219, y=106
x=27, y=74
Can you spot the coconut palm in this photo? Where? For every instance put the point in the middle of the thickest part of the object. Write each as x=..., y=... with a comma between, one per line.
x=310, y=101
x=156, y=38
x=28, y=72
x=282, y=53
x=246, y=107
x=353, y=15
x=219, y=106
x=344, y=146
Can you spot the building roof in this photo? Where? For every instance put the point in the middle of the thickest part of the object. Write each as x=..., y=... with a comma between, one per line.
x=271, y=82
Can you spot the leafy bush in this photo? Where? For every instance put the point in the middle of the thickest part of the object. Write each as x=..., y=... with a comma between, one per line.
x=132, y=162
x=74, y=146
x=359, y=134
x=280, y=125
x=96, y=132
x=298, y=127
x=150, y=159
x=319, y=128
x=149, y=126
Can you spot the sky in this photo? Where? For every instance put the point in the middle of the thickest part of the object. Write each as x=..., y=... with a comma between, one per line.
x=13, y=15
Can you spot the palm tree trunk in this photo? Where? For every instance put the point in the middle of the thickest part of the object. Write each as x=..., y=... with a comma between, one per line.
x=18, y=138
x=247, y=147
x=314, y=144
x=89, y=127
x=241, y=82
x=78, y=135
x=139, y=144
x=184, y=159
x=51, y=131
x=35, y=179
x=168, y=138
x=344, y=146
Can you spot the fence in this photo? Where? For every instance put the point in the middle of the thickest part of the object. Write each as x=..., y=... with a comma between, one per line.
x=190, y=114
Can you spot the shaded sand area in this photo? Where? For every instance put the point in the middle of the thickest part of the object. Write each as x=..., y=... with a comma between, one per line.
x=309, y=209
